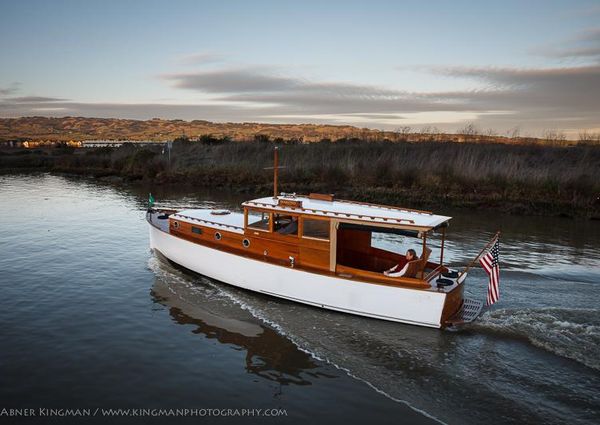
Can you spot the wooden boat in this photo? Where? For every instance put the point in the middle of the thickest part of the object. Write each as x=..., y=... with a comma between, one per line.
x=317, y=250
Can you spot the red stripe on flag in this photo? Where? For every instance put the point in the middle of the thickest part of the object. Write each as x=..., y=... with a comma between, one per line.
x=489, y=262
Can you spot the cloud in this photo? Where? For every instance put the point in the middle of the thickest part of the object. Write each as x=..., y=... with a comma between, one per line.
x=290, y=95
x=543, y=98
x=547, y=95
x=265, y=80
x=202, y=58
x=11, y=89
x=231, y=81
x=139, y=111
x=583, y=46
x=536, y=99
x=577, y=88
x=34, y=99
x=565, y=97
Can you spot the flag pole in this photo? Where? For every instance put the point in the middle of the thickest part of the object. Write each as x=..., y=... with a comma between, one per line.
x=479, y=255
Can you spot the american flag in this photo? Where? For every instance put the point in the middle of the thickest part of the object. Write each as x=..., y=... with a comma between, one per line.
x=489, y=262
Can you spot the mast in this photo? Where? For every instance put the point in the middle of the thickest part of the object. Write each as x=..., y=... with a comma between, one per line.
x=275, y=170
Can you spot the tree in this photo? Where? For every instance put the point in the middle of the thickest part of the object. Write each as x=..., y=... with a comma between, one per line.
x=469, y=130
x=261, y=138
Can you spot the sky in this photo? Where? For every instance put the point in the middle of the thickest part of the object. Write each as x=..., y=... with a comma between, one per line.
x=509, y=67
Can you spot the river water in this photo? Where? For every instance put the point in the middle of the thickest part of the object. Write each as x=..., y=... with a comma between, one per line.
x=91, y=318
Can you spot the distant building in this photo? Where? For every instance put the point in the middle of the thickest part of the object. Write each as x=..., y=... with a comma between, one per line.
x=12, y=143
x=116, y=143
x=29, y=144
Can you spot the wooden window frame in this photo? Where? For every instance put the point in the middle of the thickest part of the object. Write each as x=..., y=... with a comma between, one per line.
x=312, y=238
x=291, y=214
x=247, y=225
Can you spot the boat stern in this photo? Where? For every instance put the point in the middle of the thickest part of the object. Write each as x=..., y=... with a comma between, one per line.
x=469, y=310
x=459, y=310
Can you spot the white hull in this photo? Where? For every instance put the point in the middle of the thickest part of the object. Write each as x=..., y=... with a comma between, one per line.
x=418, y=307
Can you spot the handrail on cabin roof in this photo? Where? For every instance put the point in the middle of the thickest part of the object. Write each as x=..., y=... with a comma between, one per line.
x=348, y=201
x=386, y=207
x=208, y=221
x=337, y=214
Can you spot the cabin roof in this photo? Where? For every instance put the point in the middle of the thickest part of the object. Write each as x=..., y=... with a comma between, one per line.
x=231, y=221
x=350, y=210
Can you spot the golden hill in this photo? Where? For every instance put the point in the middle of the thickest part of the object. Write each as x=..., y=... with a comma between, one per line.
x=80, y=128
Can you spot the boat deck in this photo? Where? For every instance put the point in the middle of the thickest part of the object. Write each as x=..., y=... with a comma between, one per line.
x=159, y=220
x=218, y=219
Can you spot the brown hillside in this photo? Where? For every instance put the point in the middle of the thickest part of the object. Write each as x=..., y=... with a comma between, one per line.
x=80, y=128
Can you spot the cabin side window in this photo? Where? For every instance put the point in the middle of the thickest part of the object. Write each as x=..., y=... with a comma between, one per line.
x=318, y=229
x=285, y=224
x=259, y=220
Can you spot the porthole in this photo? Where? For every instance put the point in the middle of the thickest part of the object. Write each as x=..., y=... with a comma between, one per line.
x=218, y=236
x=246, y=243
x=176, y=225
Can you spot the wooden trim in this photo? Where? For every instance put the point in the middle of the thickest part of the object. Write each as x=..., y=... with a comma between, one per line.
x=314, y=217
x=322, y=196
x=438, y=270
x=423, y=254
x=380, y=278
x=312, y=238
x=300, y=226
x=255, y=229
x=452, y=303
x=333, y=225
x=294, y=203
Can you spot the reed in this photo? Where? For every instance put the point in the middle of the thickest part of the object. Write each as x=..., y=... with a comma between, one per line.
x=519, y=178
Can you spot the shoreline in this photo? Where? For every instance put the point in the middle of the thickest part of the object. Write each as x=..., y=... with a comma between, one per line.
x=517, y=208
x=523, y=180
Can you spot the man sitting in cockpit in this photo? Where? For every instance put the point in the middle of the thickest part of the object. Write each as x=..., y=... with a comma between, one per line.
x=395, y=271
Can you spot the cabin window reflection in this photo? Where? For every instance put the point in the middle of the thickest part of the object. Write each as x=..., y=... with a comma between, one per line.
x=318, y=229
x=285, y=224
x=259, y=220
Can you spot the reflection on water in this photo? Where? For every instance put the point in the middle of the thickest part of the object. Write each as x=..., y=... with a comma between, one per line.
x=532, y=356
x=268, y=354
x=79, y=327
x=80, y=330
x=460, y=371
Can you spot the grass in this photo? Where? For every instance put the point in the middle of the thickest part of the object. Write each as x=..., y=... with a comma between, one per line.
x=527, y=179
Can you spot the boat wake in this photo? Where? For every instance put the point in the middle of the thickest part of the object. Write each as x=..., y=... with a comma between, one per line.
x=265, y=310
x=429, y=370
x=567, y=332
